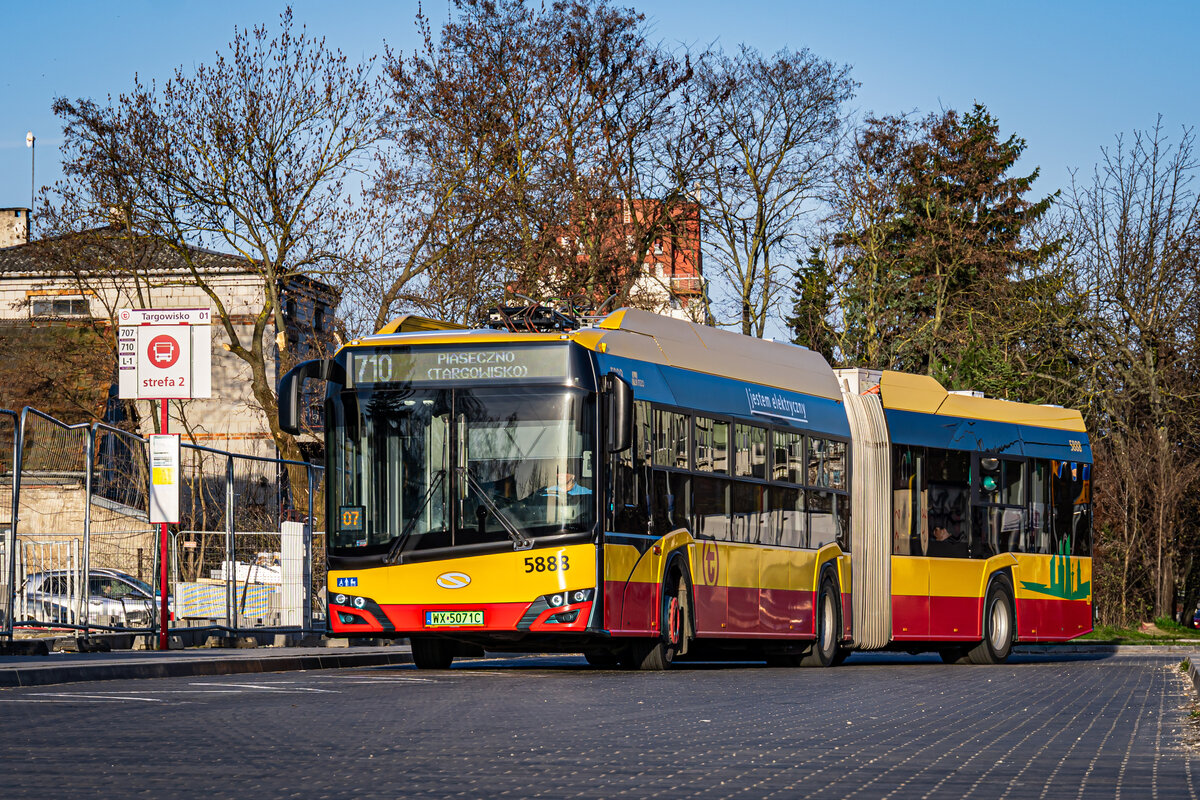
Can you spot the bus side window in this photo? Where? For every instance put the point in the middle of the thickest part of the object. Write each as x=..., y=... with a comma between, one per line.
x=711, y=504
x=842, y=520
x=907, y=538
x=670, y=498
x=747, y=505
x=1037, y=526
x=711, y=445
x=822, y=526
x=789, y=456
x=629, y=476
x=750, y=451
x=787, y=516
x=1071, y=501
x=949, y=492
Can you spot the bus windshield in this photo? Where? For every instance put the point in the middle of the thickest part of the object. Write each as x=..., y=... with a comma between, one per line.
x=421, y=468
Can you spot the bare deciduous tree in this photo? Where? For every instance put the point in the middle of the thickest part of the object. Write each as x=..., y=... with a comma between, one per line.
x=556, y=145
x=776, y=124
x=250, y=154
x=1137, y=239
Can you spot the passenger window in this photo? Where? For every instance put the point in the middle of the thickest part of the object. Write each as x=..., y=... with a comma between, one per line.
x=670, y=498
x=1071, y=490
x=629, y=472
x=999, y=523
x=787, y=516
x=910, y=535
x=711, y=507
x=836, y=465
x=817, y=451
x=949, y=498
x=750, y=459
x=712, y=445
x=1011, y=482
x=842, y=512
x=1037, y=535
x=747, y=506
x=671, y=439
x=789, y=456
x=822, y=527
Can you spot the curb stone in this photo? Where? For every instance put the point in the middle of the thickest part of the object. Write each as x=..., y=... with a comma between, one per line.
x=75, y=673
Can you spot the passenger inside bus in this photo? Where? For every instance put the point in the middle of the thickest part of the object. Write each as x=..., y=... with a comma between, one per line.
x=949, y=502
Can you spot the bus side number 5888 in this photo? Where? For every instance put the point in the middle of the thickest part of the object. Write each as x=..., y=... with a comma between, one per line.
x=551, y=564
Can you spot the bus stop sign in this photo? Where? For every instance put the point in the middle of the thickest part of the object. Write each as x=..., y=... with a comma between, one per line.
x=165, y=353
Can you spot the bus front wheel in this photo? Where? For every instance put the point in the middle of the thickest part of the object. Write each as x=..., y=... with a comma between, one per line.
x=602, y=659
x=430, y=653
x=674, y=613
x=998, y=625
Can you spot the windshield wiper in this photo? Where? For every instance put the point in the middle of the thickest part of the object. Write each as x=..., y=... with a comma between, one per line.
x=520, y=540
x=394, y=551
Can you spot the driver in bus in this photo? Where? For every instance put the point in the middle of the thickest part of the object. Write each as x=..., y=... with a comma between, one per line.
x=565, y=498
x=565, y=487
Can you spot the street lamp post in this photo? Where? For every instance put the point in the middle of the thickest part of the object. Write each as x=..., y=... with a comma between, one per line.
x=30, y=141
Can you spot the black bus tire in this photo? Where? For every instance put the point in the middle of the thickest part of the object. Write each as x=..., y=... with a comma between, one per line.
x=601, y=659
x=431, y=653
x=674, y=612
x=823, y=652
x=955, y=655
x=999, y=624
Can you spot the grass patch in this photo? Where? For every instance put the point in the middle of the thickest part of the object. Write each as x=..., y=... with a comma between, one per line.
x=1168, y=632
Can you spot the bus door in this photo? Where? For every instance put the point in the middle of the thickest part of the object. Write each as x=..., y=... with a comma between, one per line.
x=910, y=597
x=910, y=545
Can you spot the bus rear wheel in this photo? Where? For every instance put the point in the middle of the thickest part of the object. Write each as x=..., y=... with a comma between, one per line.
x=955, y=655
x=430, y=653
x=824, y=650
x=998, y=625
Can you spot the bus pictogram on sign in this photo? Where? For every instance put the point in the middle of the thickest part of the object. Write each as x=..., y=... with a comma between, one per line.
x=163, y=351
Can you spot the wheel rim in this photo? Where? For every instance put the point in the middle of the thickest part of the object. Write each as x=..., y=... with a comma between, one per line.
x=827, y=631
x=999, y=626
x=673, y=622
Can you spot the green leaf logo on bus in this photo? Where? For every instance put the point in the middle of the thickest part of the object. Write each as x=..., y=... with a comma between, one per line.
x=1064, y=580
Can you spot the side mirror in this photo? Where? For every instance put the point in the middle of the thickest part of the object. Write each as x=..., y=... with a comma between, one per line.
x=618, y=417
x=290, y=386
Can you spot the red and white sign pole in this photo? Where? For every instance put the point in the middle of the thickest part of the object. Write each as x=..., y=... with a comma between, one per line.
x=164, y=613
x=165, y=354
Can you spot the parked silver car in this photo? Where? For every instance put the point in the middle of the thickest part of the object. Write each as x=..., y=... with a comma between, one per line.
x=114, y=598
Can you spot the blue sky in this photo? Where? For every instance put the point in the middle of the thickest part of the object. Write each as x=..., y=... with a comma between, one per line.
x=1067, y=76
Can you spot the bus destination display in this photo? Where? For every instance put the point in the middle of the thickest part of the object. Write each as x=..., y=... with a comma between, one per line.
x=474, y=365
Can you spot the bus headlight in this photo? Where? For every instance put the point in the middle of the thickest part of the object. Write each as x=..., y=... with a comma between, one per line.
x=359, y=602
x=563, y=598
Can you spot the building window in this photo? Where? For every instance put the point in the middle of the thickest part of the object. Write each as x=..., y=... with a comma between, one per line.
x=59, y=307
x=319, y=320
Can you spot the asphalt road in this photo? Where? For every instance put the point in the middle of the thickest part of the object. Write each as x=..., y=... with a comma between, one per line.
x=879, y=726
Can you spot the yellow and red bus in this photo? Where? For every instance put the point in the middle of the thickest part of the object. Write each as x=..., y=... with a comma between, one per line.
x=644, y=489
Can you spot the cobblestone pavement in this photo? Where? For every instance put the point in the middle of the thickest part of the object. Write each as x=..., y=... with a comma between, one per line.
x=877, y=727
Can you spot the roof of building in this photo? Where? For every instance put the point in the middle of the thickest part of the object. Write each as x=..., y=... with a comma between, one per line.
x=70, y=254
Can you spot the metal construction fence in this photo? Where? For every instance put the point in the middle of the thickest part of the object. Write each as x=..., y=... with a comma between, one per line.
x=78, y=550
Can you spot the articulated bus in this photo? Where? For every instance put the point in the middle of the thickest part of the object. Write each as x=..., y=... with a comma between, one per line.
x=644, y=489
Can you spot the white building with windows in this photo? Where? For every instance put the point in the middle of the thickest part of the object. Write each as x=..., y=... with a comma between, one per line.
x=48, y=283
